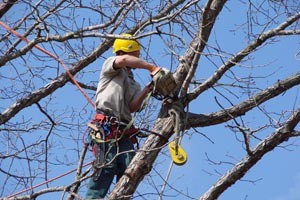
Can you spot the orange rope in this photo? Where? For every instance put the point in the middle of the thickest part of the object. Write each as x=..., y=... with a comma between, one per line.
x=48, y=181
x=74, y=81
x=51, y=55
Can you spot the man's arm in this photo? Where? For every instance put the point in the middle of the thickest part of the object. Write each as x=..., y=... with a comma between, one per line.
x=136, y=104
x=134, y=62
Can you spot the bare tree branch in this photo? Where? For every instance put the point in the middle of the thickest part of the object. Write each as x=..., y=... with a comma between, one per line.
x=281, y=135
x=200, y=120
x=38, y=140
x=54, y=85
x=236, y=59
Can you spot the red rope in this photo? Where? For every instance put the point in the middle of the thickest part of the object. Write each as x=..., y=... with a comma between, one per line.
x=74, y=81
x=51, y=55
x=48, y=181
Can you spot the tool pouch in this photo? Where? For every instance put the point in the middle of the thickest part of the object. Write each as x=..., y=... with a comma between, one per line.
x=99, y=151
x=164, y=82
x=98, y=134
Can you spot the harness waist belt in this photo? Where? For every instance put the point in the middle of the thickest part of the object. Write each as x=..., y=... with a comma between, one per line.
x=116, y=130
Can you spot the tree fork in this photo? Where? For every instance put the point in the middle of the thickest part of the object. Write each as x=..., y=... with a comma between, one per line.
x=141, y=164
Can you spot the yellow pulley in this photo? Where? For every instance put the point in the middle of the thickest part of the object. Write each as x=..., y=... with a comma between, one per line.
x=178, y=155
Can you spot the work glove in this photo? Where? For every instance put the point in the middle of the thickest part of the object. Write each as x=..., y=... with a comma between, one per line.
x=154, y=70
x=164, y=82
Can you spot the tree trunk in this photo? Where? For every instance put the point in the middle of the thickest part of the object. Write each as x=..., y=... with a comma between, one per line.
x=142, y=162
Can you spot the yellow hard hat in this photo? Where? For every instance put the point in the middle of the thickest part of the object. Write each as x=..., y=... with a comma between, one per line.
x=126, y=45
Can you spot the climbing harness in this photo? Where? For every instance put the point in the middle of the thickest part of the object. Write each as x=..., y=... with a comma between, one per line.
x=109, y=129
x=178, y=155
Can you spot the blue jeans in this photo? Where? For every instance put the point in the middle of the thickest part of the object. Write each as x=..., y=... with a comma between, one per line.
x=99, y=185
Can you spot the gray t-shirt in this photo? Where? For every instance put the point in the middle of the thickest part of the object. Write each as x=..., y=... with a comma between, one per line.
x=115, y=91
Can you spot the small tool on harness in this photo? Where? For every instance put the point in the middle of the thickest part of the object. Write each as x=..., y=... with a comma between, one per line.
x=97, y=133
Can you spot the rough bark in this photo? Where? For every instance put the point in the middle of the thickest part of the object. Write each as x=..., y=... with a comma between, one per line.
x=188, y=62
x=142, y=163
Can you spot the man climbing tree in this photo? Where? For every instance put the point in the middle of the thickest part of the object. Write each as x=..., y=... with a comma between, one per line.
x=118, y=95
x=236, y=67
